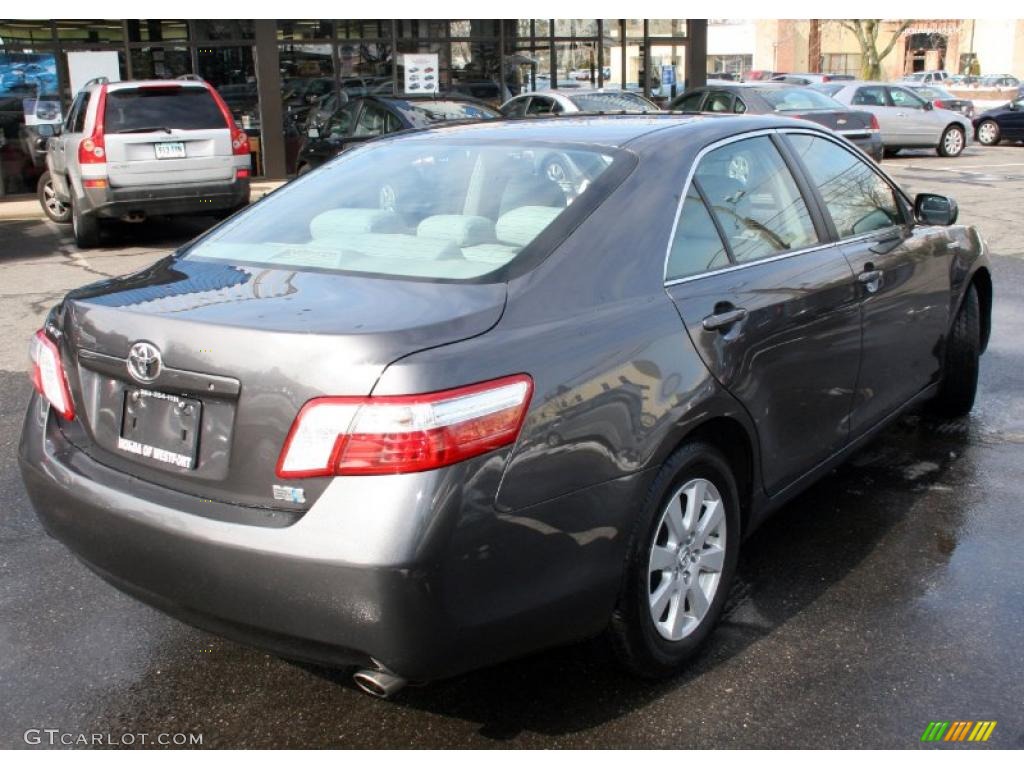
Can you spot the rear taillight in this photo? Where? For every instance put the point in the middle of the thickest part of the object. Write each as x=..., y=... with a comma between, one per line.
x=938, y=104
x=826, y=79
x=92, y=149
x=874, y=123
x=239, y=141
x=392, y=435
x=241, y=173
x=48, y=375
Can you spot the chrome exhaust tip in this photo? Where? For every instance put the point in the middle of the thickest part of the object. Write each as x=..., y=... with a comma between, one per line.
x=378, y=682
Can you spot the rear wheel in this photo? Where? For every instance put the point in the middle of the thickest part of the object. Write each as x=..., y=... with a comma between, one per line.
x=85, y=226
x=953, y=141
x=960, y=367
x=988, y=133
x=54, y=209
x=681, y=561
x=890, y=151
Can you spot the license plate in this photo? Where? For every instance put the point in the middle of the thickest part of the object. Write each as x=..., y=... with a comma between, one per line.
x=170, y=149
x=160, y=428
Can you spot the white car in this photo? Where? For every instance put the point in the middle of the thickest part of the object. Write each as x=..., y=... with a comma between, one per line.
x=559, y=102
x=906, y=120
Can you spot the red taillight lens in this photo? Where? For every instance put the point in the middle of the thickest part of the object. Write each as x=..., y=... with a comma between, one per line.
x=393, y=435
x=48, y=375
x=874, y=123
x=241, y=173
x=91, y=149
x=239, y=141
x=938, y=104
x=826, y=79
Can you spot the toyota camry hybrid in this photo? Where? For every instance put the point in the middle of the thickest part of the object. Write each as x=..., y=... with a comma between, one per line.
x=427, y=407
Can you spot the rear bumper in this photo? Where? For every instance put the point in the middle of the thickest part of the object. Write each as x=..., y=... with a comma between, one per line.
x=456, y=586
x=870, y=145
x=168, y=199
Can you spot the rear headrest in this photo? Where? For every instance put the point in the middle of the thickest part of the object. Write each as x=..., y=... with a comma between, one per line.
x=531, y=189
x=353, y=221
x=464, y=231
x=377, y=246
x=521, y=225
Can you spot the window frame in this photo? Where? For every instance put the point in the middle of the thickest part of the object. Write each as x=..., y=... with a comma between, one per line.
x=822, y=220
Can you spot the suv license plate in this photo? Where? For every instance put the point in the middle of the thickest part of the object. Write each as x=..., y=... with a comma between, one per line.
x=170, y=149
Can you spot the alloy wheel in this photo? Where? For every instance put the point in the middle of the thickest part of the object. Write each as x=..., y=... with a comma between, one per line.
x=953, y=142
x=56, y=208
x=987, y=132
x=686, y=560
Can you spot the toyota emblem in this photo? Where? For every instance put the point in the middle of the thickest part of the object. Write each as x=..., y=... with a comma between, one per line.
x=144, y=361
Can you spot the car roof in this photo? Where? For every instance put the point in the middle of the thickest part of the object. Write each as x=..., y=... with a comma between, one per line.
x=607, y=130
x=130, y=84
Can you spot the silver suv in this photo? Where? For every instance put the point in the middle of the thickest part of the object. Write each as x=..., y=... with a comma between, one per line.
x=150, y=147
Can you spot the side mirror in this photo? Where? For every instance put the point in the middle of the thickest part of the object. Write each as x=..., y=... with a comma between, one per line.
x=935, y=209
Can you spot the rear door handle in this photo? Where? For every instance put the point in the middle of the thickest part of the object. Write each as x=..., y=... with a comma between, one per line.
x=724, y=320
x=871, y=279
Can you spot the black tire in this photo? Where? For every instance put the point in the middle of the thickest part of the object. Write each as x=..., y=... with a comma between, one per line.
x=991, y=139
x=303, y=169
x=54, y=209
x=944, y=150
x=890, y=151
x=86, y=228
x=636, y=641
x=960, y=366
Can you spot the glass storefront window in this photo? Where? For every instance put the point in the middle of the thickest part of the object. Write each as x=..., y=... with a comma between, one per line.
x=668, y=64
x=16, y=33
x=224, y=29
x=157, y=62
x=365, y=67
x=90, y=31
x=577, y=64
x=156, y=30
x=666, y=28
x=476, y=72
x=305, y=30
x=353, y=29
x=475, y=28
x=29, y=108
x=575, y=27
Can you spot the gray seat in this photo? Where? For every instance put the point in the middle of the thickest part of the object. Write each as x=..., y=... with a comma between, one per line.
x=341, y=222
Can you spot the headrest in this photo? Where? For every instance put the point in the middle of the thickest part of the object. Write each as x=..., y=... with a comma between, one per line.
x=353, y=221
x=521, y=225
x=464, y=231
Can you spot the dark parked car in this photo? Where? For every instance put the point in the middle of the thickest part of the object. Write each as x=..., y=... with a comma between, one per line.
x=371, y=116
x=1005, y=123
x=942, y=99
x=424, y=410
x=784, y=99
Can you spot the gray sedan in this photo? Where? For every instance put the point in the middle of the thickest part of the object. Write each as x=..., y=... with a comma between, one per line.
x=425, y=409
x=906, y=120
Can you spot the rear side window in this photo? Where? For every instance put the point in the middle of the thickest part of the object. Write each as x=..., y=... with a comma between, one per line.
x=858, y=199
x=697, y=246
x=755, y=199
x=690, y=102
x=78, y=116
x=870, y=96
x=719, y=101
x=140, y=110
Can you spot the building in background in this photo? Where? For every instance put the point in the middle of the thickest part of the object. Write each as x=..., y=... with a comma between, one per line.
x=270, y=72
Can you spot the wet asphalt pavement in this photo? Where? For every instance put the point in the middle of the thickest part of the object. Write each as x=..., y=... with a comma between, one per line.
x=889, y=595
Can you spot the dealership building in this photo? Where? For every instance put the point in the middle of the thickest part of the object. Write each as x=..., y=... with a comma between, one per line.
x=270, y=71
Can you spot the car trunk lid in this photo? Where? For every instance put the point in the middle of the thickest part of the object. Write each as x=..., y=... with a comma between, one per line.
x=241, y=350
x=853, y=124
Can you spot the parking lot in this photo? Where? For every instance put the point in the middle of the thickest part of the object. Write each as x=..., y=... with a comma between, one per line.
x=888, y=596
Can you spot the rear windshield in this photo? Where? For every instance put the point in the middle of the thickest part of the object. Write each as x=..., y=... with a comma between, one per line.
x=141, y=110
x=934, y=92
x=612, y=102
x=424, y=113
x=423, y=209
x=797, y=99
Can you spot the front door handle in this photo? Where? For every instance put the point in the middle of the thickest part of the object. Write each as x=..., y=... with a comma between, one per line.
x=871, y=279
x=721, y=321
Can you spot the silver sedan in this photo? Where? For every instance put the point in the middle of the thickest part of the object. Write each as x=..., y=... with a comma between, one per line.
x=906, y=120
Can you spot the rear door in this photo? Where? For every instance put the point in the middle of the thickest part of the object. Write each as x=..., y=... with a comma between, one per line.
x=769, y=304
x=874, y=99
x=923, y=126
x=1011, y=122
x=166, y=134
x=71, y=134
x=903, y=276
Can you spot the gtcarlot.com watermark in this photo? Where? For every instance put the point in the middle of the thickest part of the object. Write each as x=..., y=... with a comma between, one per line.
x=54, y=737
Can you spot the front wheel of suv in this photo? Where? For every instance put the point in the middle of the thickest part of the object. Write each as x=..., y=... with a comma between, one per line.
x=681, y=561
x=86, y=227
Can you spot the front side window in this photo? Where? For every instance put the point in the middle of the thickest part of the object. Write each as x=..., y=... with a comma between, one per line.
x=424, y=208
x=755, y=199
x=541, y=105
x=690, y=102
x=719, y=101
x=340, y=124
x=517, y=108
x=857, y=198
x=696, y=246
x=373, y=121
x=904, y=98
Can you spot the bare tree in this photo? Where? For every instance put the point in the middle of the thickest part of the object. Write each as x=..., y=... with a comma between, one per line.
x=867, y=32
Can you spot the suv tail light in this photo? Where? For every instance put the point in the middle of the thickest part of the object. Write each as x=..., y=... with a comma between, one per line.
x=393, y=435
x=874, y=123
x=91, y=149
x=48, y=375
x=239, y=140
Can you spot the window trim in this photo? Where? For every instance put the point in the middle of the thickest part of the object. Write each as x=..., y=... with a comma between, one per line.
x=825, y=236
x=815, y=204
